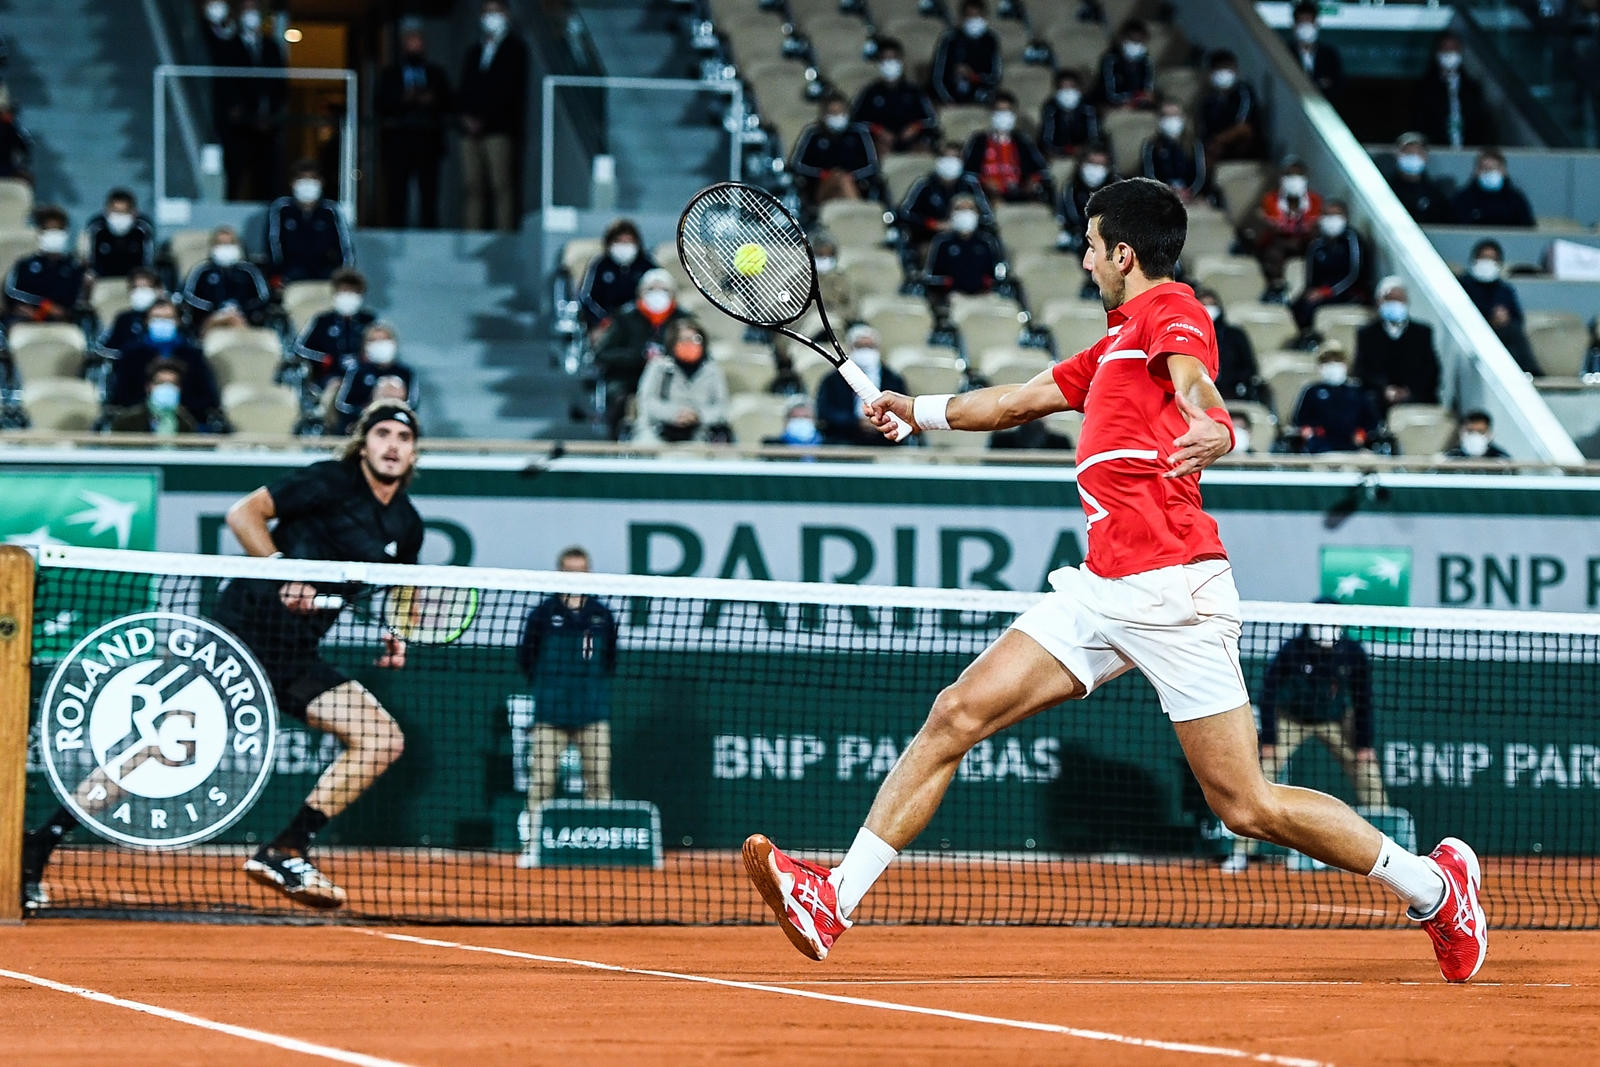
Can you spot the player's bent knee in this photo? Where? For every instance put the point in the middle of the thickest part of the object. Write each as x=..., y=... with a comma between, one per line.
x=954, y=720
x=1256, y=815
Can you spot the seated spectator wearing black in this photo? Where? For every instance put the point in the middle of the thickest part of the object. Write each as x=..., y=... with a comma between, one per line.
x=413, y=104
x=683, y=395
x=1484, y=283
x=1282, y=225
x=1395, y=358
x=165, y=340
x=223, y=278
x=1475, y=439
x=1491, y=199
x=1228, y=120
x=839, y=411
x=48, y=285
x=1068, y=123
x=1321, y=62
x=835, y=158
x=1005, y=160
x=127, y=328
x=1238, y=375
x=612, y=280
x=1449, y=101
x=307, y=236
x=120, y=238
x=1175, y=157
x=1336, y=266
x=1093, y=172
x=966, y=62
x=379, y=359
x=334, y=337
x=926, y=209
x=963, y=258
x=1127, y=77
x=636, y=336
x=1424, y=198
x=162, y=412
x=898, y=112
x=16, y=148
x=1334, y=414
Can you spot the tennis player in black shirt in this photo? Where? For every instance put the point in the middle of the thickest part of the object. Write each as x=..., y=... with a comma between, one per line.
x=353, y=508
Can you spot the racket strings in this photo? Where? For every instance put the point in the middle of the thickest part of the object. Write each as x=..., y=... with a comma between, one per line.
x=722, y=220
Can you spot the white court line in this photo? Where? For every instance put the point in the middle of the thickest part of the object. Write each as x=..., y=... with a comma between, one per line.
x=1063, y=981
x=289, y=1044
x=860, y=1002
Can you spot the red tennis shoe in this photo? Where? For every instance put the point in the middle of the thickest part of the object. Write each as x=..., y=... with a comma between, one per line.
x=799, y=893
x=1460, y=934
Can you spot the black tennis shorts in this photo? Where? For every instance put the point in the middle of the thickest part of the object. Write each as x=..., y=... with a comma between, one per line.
x=285, y=644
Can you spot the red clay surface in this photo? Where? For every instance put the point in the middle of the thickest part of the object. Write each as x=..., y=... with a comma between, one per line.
x=1362, y=998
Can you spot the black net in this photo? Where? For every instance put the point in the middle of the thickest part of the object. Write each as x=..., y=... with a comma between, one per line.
x=747, y=255
x=600, y=759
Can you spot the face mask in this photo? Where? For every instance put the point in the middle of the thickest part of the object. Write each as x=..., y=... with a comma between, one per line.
x=382, y=351
x=307, y=190
x=1305, y=32
x=1224, y=79
x=217, y=11
x=1449, y=62
x=494, y=23
x=1003, y=121
x=800, y=430
x=868, y=359
x=1333, y=225
x=346, y=303
x=964, y=222
x=975, y=26
x=119, y=222
x=1412, y=163
x=1474, y=444
x=656, y=301
x=1294, y=186
x=162, y=330
x=1326, y=636
x=1241, y=439
x=1492, y=181
x=623, y=253
x=1069, y=98
x=825, y=264
x=1215, y=311
x=1133, y=51
x=837, y=123
x=53, y=242
x=891, y=69
x=225, y=255
x=250, y=20
x=688, y=351
x=1394, y=311
x=1333, y=373
x=141, y=297
x=1094, y=174
x=164, y=395
x=1485, y=270
x=1171, y=126
x=949, y=168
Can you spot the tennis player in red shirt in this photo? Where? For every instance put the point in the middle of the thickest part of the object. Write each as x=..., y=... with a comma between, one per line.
x=1155, y=593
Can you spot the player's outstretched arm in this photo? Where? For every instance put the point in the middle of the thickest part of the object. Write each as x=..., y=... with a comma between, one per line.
x=1210, y=433
x=999, y=407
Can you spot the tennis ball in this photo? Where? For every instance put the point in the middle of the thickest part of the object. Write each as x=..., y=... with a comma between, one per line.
x=750, y=260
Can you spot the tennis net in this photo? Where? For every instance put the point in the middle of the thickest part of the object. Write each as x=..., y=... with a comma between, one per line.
x=577, y=777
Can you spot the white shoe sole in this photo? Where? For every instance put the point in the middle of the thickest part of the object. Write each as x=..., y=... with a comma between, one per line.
x=324, y=897
x=763, y=873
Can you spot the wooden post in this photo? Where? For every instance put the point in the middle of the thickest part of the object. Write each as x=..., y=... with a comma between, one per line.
x=16, y=646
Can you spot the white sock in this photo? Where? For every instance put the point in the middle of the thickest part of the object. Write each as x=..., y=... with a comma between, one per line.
x=868, y=858
x=1412, y=878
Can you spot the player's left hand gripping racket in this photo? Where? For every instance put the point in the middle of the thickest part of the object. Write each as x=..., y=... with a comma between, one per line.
x=751, y=259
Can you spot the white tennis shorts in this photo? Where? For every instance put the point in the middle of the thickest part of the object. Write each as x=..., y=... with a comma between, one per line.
x=1178, y=625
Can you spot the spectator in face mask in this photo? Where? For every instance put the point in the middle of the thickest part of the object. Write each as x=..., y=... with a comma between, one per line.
x=1282, y=225
x=165, y=341
x=897, y=112
x=1395, y=359
x=835, y=158
x=966, y=63
x=494, y=92
x=1484, y=282
x=636, y=336
x=838, y=295
x=127, y=328
x=1127, y=77
x=413, y=101
x=1475, y=439
x=1334, y=414
x=225, y=277
x=253, y=108
x=1424, y=198
x=1174, y=156
x=162, y=412
x=1336, y=266
x=1321, y=62
x=1229, y=120
x=683, y=395
x=1005, y=160
x=799, y=426
x=1093, y=172
x=333, y=338
x=1067, y=122
x=120, y=238
x=380, y=358
x=926, y=210
x=839, y=411
x=1491, y=199
x=612, y=279
x=1238, y=375
x=1449, y=101
x=307, y=237
x=46, y=286
x=963, y=258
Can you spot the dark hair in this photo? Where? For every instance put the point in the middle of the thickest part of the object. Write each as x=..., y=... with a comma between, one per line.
x=1069, y=72
x=622, y=228
x=968, y=5
x=120, y=194
x=1477, y=416
x=1222, y=57
x=574, y=551
x=1203, y=293
x=886, y=43
x=1006, y=96
x=1488, y=243
x=1307, y=7
x=161, y=366
x=349, y=278
x=307, y=166
x=1133, y=26
x=1335, y=202
x=1493, y=153
x=163, y=302
x=1145, y=215
x=833, y=96
x=144, y=272
x=49, y=213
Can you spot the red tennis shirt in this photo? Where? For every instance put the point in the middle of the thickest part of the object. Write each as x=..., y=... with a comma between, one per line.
x=1138, y=520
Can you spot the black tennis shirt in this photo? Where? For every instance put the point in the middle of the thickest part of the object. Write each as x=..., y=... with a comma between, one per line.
x=327, y=511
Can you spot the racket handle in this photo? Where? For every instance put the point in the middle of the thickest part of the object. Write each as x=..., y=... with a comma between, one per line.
x=869, y=393
x=327, y=602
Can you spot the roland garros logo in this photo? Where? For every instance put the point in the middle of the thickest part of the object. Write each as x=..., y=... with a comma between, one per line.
x=157, y=729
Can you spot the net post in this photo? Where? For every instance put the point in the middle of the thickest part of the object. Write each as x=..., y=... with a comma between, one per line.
x=16, y=641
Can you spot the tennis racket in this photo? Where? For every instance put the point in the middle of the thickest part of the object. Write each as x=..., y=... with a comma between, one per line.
x=416, y=614
x=750, y=258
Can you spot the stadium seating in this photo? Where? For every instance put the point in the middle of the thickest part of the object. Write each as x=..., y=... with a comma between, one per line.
x=14, y=244
x=854, y=223
x=1559, y=339
x=1269, y=326
x=1241, y=183
x=1258, y=418
x=1010, y=365
x=47, y=349
x=249, y=355
x=1286, y=374
x=899, y=320
x=955, y=440
x=748, y=368
x=1237, y=280
x=755, y=416
x=1075, y=324
x=255, y=407
x=109, y=297
x=1127, y=132
x=189, y=248
x=871, y=271
x=1068, y=424
x=304, y=301
x=1339, y=322
x=61, y=403
x=810, y=367
x=926, y=372
x=16, y=203
x=1421, y=429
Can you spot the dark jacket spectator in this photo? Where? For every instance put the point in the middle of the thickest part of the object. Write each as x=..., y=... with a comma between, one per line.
x=963, y=262
x=1424, y=199
x=1228, y=118
x=926, y=208
x=637, y=335
x=1475, y=439
x=835, y=149
x=212, y=285
x=612, y=280
x=45, y=286
x=361, y=377
x=119, y=239
x=307, y=239
x=1491, y=199
x=1450, y=109
x=1397, y=369
x=250, y=110
x=495, y=95
x=1006, y=161
x=1238, y=374
x=162, y=411
x=966, y=64
x=413, y=103
x=1335, y=417
x=1309, y=682
x=1321, y=62
x=200, y=395
x=1093, y=172
x=1127, y=77
x=838, y=409
x=568, y=656
x=125, y=330
x=1336, y=267
x=896, y=110
x=494, y=89
x=1176, y=161
x=1068, y=122
x=331, y=340
x=1498, y=303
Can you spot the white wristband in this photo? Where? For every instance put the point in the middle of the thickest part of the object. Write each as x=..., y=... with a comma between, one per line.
x=928, y=412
